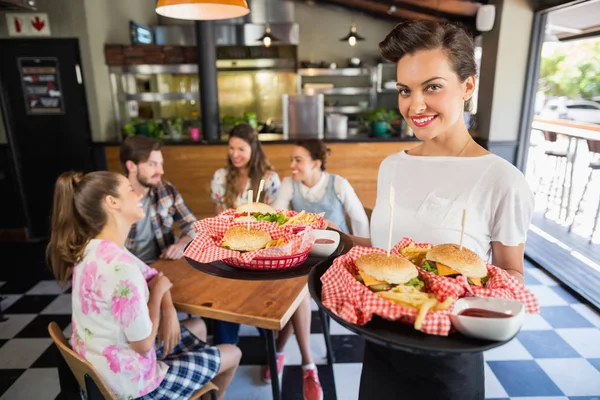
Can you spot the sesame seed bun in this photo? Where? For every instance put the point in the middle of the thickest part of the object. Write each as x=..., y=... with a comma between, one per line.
x=392, y=269
x=466, y=262
x=239, y=238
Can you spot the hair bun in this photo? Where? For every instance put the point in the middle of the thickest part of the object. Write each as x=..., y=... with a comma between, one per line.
x=76, y=178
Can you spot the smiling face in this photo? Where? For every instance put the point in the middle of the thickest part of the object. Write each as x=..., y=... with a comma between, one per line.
x=239, y=152
x=127, y=205
x=302, y=165
x=431, y=96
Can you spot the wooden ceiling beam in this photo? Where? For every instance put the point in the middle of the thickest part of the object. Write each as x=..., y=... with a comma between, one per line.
x=451, y=7
x=379, y=10
x=401, y=6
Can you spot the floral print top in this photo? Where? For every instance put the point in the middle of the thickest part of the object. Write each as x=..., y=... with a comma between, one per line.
x=219, y=183
x=110, y=297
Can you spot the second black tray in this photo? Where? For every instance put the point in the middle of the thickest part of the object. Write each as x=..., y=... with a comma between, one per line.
x=223, y=270
x=400, y=336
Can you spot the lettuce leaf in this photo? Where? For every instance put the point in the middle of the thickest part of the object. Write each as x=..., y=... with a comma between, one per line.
x=278, y=218
x=429, y=268
x=415, y=282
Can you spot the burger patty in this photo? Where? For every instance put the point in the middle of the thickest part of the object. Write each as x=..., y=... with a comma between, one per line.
x=415, y=282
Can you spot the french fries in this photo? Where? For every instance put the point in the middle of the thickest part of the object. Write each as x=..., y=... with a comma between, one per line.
x=303, y=218
x=414, y=254
x=275, y=243
x=411, y=297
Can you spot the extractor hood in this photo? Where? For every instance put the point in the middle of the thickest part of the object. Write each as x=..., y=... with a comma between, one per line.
x=17, y=5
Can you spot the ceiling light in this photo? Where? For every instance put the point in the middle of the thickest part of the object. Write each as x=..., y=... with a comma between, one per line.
x=202, y=9
x=267, y=38
x=352, y=37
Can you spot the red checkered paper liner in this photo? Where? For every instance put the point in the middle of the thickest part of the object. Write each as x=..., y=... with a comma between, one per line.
x=206, y=246
x=354, y=302
x=318, y=224
x=500, y=284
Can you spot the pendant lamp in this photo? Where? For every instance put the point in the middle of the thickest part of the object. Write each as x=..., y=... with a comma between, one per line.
x=352, y=37
x=202, y=9
x=267, y=38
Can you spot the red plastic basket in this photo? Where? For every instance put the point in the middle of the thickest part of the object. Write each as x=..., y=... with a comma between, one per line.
x=269, y=263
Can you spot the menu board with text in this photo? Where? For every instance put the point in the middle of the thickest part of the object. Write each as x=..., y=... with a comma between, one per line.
x=41, y=85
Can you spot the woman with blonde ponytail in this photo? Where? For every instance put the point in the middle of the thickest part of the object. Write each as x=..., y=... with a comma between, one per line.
x=117, y=299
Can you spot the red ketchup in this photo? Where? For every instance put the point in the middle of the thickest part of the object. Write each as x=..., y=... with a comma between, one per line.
x=324, y=241
x=481, y=313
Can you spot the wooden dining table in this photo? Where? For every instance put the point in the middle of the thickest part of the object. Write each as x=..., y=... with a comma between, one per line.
x=263, y=304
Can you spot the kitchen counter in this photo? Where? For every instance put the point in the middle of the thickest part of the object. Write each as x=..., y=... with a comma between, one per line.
x=190, y=167
x=277, y=138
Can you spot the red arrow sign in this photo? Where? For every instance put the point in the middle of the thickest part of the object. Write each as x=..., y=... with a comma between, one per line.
x=38, y=24
x=17, y=25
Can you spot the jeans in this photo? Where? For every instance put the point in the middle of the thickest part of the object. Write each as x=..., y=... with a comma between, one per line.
x=228, y=332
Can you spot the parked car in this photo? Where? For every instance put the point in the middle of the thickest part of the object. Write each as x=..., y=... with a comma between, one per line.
x=576, y=110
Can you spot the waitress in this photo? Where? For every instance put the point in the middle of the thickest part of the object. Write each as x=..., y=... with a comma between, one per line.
x=433, y=183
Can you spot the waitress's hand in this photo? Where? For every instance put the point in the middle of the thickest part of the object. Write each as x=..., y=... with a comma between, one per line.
x=331, y=224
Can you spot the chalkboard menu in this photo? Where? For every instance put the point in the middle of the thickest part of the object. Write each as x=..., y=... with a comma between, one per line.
x=41, y=85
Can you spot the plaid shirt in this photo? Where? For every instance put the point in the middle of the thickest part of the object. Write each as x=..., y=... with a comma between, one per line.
x=166, y=207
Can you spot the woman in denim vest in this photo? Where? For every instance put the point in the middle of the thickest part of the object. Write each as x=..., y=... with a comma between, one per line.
x=314, y=190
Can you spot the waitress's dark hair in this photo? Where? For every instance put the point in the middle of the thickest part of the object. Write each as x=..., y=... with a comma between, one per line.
x=317, y=149
x=412, y=36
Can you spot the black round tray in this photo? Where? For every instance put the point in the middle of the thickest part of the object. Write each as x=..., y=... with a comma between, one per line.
x=400, y=336
x=223, y=270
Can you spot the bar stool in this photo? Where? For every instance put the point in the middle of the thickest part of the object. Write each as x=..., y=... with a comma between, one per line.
x=559, y=156
x=594, y=165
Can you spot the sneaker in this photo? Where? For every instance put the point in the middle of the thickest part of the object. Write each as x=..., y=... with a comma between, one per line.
x=267, y=375
x=311, y=387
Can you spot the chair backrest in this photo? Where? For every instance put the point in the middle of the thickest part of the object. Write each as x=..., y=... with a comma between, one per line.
x=550, y=136
x=79, y=366
x=594, y=146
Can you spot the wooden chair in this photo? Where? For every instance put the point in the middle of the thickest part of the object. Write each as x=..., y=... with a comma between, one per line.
x=87, y=376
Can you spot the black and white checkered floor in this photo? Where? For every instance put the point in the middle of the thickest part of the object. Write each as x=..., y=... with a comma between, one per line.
x=556, y=356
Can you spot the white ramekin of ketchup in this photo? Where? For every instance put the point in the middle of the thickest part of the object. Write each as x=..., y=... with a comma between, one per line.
x=325, y=243
x=488, y=318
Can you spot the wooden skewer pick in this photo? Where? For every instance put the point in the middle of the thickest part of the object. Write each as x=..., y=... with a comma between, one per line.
x=462, y=231
x=392, y=202
x=250, y=194
x=260, y=189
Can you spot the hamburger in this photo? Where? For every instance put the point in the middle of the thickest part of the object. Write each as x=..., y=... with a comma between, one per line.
x=380, y=272
x=259, y=212
x=449, y=260
x=239, y=238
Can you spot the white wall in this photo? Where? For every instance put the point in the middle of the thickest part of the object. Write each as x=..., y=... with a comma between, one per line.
x=321, y=28
x=503, y=71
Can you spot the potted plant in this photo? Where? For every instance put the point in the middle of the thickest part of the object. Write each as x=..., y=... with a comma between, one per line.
x=175, y=128
x=148, y=128
x=380, y=121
